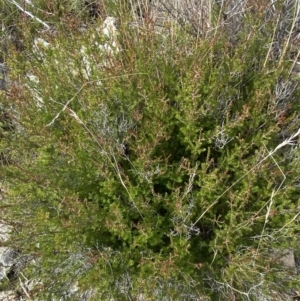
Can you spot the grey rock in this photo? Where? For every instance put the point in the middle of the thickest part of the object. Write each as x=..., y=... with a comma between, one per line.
x=8, y=296
x=286, y=258
x=3, y=272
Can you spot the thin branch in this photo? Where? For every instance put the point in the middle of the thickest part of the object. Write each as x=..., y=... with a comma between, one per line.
x=274, y=192
x=295, y=18
x=271, y=44
x=115, y=165
x=288, y=141
x=29, y=14
x=81, y=88
x=75, y=116
x=23, y=286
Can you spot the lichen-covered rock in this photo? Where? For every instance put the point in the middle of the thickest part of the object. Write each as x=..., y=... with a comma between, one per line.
x=7, y=260
x=7, y=256
x=4, y=231
x=3, y=76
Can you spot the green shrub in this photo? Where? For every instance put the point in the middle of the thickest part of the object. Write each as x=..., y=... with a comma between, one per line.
x=160, y=174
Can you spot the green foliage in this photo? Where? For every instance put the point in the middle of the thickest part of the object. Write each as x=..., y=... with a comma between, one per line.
x=151, y=173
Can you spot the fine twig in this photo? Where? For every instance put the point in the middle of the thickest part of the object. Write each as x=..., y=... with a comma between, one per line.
x=30, y=14
x=288, y=141
x=75, y=116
